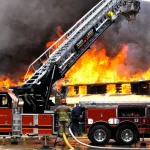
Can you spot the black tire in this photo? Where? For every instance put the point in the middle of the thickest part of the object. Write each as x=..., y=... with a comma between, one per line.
x=94, y=132
x=126, y=135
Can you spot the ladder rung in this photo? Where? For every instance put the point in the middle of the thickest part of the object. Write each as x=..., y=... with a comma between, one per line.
x=27, y=84
x=37, y=73
x=5, y=135
x=17, y=135
x=31, y=79
x=16, y=124
x=16, y=119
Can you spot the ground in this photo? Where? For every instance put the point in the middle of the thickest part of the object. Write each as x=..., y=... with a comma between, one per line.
x=34, y=143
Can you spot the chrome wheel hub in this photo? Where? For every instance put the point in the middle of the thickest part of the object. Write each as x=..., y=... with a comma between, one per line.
x=127, y=135
x=100, y=135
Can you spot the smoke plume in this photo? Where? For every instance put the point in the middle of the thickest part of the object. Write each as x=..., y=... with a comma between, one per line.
x=26, y=27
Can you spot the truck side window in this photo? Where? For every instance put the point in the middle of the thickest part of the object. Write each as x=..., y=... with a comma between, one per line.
x=134, y=111
x=3, y=101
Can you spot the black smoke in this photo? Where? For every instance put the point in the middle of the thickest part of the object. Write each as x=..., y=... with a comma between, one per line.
x=26, y=27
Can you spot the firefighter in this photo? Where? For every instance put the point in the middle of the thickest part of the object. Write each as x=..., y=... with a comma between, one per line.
x=76, y=118
x=63, y=113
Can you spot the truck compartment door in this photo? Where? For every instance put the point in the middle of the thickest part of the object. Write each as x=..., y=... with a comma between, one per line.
x=37, y=124
x=5, y=120
x=45, y=122
x=27, y=123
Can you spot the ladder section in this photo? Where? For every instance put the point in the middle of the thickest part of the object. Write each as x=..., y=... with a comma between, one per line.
x=62, y=47
x=16, y=127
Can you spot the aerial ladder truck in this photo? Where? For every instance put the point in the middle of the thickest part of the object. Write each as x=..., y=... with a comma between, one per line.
x=33, y=116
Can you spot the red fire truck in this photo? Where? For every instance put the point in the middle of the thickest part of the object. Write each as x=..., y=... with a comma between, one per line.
x=123, y=122
x=29, y=110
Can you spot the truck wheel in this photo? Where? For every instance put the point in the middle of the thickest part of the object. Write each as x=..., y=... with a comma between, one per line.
x=99, y=135
x=126, y=135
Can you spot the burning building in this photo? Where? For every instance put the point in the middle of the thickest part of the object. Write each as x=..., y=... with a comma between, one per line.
x=96, y=73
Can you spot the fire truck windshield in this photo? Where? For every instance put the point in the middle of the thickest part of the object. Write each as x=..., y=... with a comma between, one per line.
x=3, y=101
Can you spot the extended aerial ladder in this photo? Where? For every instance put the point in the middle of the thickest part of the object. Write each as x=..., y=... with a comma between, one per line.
x=36, y=89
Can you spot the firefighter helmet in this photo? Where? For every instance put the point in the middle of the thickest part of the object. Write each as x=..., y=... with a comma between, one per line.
x=63, y=101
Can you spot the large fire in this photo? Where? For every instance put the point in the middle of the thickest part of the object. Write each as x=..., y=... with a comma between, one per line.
x=6, y=82
x=96, y=67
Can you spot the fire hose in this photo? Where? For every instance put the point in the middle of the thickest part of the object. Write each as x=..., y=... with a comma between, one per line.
x=67, y=142
x=98, y=147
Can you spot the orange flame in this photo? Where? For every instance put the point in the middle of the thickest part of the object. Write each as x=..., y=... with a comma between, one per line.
x=29, y=75
x=50, y=43
x=96, y=67
x=6, y=82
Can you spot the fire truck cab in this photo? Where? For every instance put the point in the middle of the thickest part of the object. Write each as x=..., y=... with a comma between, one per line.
x=5, y=113
x=15, y=123
x=124, y=122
